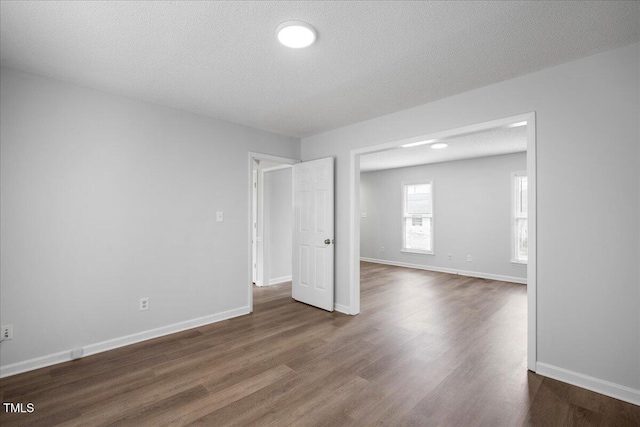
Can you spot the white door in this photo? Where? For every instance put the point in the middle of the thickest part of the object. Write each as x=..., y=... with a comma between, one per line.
x=312, y=279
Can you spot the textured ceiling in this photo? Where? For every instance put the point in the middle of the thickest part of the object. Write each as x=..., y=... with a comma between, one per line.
x=493, y=142
x=222, y=59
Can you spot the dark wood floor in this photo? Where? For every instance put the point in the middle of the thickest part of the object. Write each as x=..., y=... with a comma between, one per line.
x=429, y=349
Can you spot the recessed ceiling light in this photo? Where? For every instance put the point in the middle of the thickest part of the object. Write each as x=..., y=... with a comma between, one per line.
x=439, y=145
x=415, y=144
x=296, y=34
x=517, y=125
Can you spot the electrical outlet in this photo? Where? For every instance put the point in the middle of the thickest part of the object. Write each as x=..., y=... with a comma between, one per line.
x=219, y=216
x=76, y=353
x=469, y=258
x=144, y=303
x=382, y=249
x=7, y=333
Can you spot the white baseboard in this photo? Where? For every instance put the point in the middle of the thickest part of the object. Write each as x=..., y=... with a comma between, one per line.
x=341, y=308
x=279, y=280
x=449, y=270
x=88, y=350
x=607, y=388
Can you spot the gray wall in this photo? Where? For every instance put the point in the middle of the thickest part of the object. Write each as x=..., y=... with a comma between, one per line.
x=588, y=315
x=107, y=199
x=472, y=215
x=279, y=223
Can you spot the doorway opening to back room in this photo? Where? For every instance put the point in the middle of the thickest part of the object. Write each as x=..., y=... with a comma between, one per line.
x=447, y=221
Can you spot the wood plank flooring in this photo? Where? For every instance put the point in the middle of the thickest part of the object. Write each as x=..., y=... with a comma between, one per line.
x=428, y=349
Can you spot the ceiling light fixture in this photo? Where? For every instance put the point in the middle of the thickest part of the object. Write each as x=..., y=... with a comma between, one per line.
x=517, y=125
x=439, y=145
x=415, y=144
x=296, y=34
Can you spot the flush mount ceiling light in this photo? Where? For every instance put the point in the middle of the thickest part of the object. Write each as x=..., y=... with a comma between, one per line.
x=415, y=144
x=517, y=125
x=296, y=34
x=439, y=145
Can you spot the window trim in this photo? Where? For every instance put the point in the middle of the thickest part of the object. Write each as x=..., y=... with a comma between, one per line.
x=403, y=218
x=514, y=233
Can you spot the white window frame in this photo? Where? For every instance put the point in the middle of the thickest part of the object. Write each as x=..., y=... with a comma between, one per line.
x=514, y=217
x=405, y=216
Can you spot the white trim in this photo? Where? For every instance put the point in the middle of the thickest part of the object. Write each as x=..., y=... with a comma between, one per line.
x=532, y=262
x=597, y=385
x=261, y=234
x=254, y=227
x=341, y=308
x=354, y=235
x=417, y=251
x=270, y=158
x=354, y=215
x=88, y=350
x=277, y=168
x=477, y=274
x=278, y=280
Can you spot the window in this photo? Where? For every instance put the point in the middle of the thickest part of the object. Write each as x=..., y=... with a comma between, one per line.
x=520, y=221
x=417, y=221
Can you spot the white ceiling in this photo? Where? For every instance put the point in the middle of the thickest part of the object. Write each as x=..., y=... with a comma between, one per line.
x=492, y=142
x=222, y=59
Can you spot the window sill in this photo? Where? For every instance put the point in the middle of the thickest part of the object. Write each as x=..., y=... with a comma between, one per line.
x=416, y=251
x=513, y=261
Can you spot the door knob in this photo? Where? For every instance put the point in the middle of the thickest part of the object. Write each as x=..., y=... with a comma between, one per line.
x=327, y=241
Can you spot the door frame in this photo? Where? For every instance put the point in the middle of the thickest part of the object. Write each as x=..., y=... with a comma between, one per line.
x=270, y=158
x=354, y=215
x=254, y=225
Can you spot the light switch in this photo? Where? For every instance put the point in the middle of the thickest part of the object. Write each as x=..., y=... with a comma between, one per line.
x=363, y=215
x=219, y=216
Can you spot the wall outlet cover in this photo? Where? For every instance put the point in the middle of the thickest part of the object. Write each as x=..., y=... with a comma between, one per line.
x=6, y=333
x=76, y=353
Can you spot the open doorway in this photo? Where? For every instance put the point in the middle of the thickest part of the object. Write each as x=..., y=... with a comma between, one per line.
x=462, y=204
x=414, y=224
x=311, y=205
x=271, y=222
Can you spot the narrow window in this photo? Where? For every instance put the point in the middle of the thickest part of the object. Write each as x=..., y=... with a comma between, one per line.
x=520, y=228
x=417, y=221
